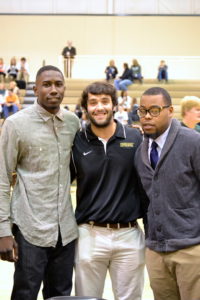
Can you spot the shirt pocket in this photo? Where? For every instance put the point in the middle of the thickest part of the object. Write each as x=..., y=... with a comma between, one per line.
x=37, y=158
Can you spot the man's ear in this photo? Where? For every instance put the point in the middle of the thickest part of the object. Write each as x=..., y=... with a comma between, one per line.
x=35, y=91
x=171, y=110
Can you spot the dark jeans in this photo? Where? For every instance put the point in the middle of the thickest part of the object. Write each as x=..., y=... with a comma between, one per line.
x=52, y=266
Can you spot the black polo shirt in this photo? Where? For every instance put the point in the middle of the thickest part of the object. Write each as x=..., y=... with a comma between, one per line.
x=107, y=185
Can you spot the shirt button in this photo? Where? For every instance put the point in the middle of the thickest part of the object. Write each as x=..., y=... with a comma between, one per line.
x=40, y=149
x=60, y=185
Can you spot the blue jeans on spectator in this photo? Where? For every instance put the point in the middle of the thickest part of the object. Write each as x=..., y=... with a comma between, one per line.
x=7, y=110
x=122, y=84
x=162, y=75
x=52, y=266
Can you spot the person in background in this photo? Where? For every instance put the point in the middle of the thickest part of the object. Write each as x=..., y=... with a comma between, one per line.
x=163, y=71
x=137, y=70
x=111, y=71
x=2, y=98
x=11, y=105
x=132, y=114
x=78, y=111
x=2, y=70
x=169, y=167
x=69, y=53
x=3, y=91
x=84, y=120
x=108, y=200
x=125, y=100
x=125, y=80
x=37, y=225
x=190, y=112
x=12, y=69
x=13, y=86
x=23, y=73
x=121, y=115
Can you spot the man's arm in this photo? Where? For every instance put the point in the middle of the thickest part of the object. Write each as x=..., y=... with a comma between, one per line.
x=64, y=52
x=8, y=160
x=74, y=51
x=72, y=168
x=195, y=157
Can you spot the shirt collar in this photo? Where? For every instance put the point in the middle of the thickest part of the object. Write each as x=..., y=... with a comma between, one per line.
x=119, y=132
x=45, y=115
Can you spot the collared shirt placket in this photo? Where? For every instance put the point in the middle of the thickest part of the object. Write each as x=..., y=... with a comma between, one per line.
x=57, y=130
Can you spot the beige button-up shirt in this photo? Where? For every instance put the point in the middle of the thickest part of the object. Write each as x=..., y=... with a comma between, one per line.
x=37, y=145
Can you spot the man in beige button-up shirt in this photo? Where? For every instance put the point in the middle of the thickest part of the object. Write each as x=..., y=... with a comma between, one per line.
x=37, y=225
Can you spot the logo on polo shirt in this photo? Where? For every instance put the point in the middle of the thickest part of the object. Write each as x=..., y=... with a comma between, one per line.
x=127, y=145
x=86, y=153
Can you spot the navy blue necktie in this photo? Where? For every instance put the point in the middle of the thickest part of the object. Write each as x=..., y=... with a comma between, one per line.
x=154, y=154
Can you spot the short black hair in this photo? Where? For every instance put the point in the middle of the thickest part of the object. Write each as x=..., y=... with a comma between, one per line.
x=99, y=88
x=159, y=91
x=48, y=68
x=125, y=65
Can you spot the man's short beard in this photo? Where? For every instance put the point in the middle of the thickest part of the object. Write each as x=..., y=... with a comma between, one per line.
x=100, y=125
x=153, y=136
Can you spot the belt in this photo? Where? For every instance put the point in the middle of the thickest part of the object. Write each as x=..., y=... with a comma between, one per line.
x=113, y=225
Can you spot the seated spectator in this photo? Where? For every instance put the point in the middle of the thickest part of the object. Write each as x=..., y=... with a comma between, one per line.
x=78, y=111
x=162, y=71
x=137, y=71
x=125, y=80
x=121, y=115
x=125, y=100
x=66, y=107
x=13, y=86
x=23, y=73
x=190, y=112
x=111, y=71
x=84, y=120
x=132, y=114
x=11, y=104
x=12, y=69
x=2, y=98
x=2, y=70
x=3, y=91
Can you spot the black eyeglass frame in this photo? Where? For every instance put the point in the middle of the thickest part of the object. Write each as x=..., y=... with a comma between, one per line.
x=149, y=110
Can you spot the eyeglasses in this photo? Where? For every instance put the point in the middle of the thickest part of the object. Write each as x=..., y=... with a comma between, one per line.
x=154, y=110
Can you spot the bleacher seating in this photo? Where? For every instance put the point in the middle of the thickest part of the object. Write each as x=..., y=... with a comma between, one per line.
x=177, y=89
x=74, y=87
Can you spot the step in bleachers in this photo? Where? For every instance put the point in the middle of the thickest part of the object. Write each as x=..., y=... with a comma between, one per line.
x=74, y=87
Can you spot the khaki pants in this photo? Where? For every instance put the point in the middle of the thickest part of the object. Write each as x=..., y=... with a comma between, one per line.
x=175, y=275
x=68, y=64
x=119, y=251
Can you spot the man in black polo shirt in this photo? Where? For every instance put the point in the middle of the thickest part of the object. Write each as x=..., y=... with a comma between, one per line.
x=108, y=202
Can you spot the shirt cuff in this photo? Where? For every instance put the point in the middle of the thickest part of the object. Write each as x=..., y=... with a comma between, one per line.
x=5, y=229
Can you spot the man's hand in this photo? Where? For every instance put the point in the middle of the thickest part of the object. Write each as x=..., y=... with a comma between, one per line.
x=137, y=126
x=8, y=249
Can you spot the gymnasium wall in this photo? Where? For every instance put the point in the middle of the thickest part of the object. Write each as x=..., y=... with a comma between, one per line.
x=41, y=38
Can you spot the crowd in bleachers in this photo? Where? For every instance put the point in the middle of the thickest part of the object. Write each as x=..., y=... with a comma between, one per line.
x=12, y=78
x=132, y=74
x=15, y=75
